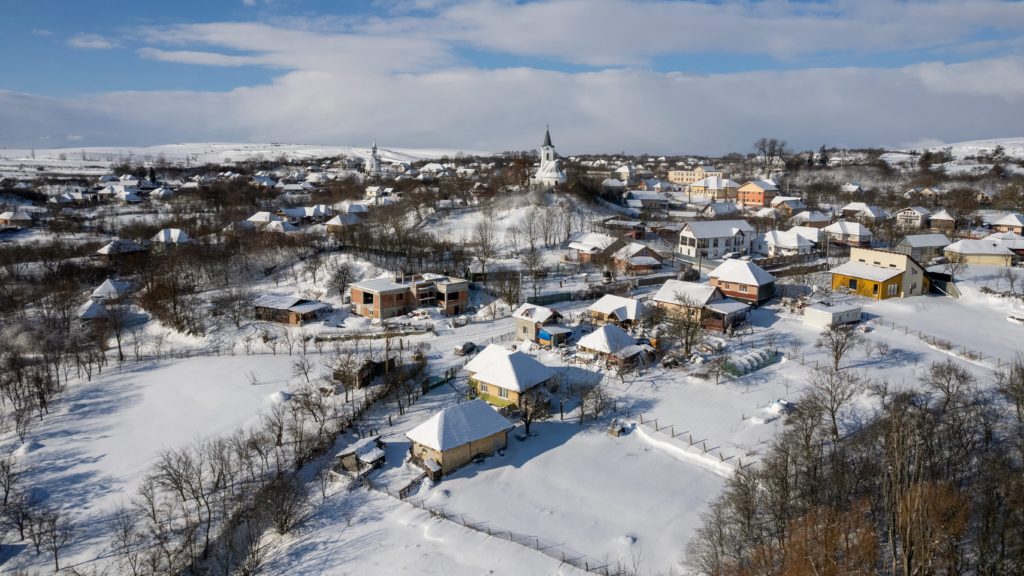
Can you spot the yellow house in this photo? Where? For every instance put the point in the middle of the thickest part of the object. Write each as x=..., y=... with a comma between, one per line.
x=454, y=436
x=880, y=274
x=691, y=176
x=500, y=376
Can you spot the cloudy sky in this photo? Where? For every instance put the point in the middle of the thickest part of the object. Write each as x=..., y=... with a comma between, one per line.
x=607, y=75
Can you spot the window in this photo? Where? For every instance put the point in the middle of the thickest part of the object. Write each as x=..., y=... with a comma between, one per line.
x=893, y=289
x=524, y=329
x=874, y=289
x=400, y=297
x=367, y=298
x=852, y=283
x=502, y=393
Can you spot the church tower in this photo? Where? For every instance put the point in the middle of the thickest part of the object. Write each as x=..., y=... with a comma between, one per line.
x=373, y=167
x=549, y=173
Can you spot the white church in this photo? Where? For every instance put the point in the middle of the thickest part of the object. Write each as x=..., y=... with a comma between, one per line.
x=549, y=174
x=372, y=166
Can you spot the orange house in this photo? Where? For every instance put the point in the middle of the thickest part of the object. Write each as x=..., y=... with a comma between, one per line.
x=757, y=193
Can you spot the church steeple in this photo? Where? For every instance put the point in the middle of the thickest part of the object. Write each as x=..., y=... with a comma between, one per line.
x=547, y=137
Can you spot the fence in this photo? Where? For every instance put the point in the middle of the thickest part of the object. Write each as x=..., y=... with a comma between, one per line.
x=780, y=261
x=696, y=447
x=542, y=545
x=943, y=344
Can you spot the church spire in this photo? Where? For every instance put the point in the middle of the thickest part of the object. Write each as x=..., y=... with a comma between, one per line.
x=547, y=137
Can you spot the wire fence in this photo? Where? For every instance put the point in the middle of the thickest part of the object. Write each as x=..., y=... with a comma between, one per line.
x=545, y=546
x=943, y=344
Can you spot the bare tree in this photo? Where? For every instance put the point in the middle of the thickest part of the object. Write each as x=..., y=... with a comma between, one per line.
x=684, y=324
x=831, y=390
x=341, y=276
x=955, y=266
x=533, y=262
x=533, y=405
x=284, y=502
x=484, y=244
x=770, y=151
x=838, y=340
x=10, y=473
x=303, y=366
x=56, y=530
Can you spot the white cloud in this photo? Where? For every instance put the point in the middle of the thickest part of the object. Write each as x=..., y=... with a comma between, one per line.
x=91, y=42
x=401, y=78
x=633, y=110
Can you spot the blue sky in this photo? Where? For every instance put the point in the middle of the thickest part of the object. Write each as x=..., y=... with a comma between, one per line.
x=649, y=75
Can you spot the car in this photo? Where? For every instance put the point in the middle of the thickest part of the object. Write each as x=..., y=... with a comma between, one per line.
x=465, y=349
x=729, y=255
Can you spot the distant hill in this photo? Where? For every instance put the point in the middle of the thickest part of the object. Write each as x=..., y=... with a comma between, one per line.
x=217, y=153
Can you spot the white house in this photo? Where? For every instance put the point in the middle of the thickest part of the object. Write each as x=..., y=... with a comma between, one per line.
x=913, y=217
x=850, y=233
x=782, y=243
x=715, y=238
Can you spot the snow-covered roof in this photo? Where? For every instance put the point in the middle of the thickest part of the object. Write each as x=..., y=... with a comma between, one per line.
x=607, y=339
x=1010, y=220
x=485, y=358
x=672, y=290
x=741, y=272
x=715, y=183
x=765, y=212
x=926, y=240
x=291, y=303
x=534, y=312
x=717, y=228
x=848, y=229
x=264, y=217
x=623, y=308
x=784, y=199
x=766, y=185
x=590, y=242
x=343, y=220
x=647, y=195
x=19, y=215
x=171, y=236
x=1011, y=240
x=786, y=239
x=459, y=425
x=514, y=371
x=985, y=247
x=91, y=310
x=379, y=285
x=809, y=216
x=728, y=306
x=109, y=290
x=120, y=247
x=942, y=215
x=629, y=250
x=612, y=183
x=866, y=271
x=280, y=226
